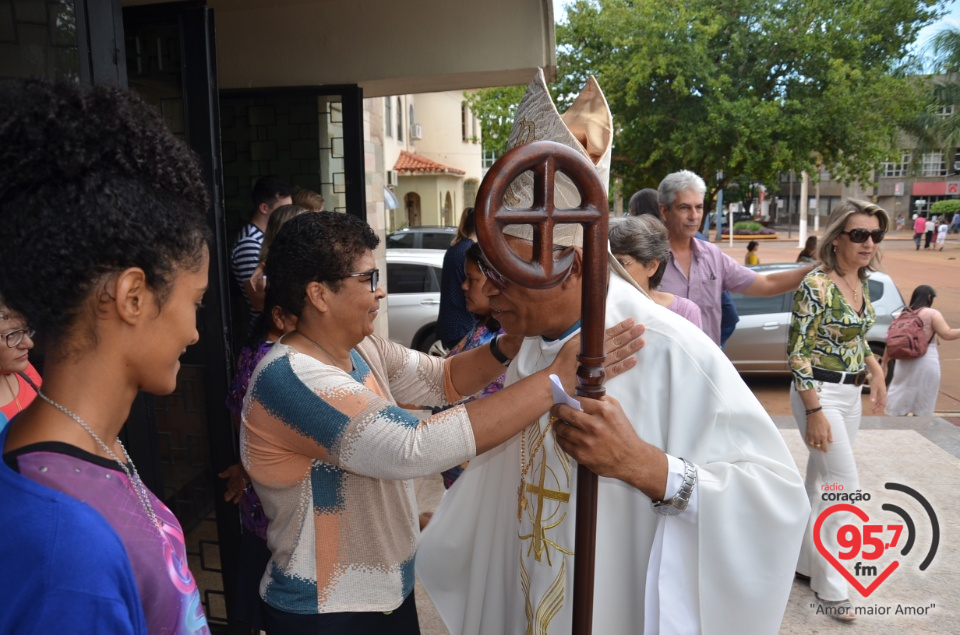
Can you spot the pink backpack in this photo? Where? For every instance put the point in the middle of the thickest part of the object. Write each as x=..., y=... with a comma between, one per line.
x=905, y=337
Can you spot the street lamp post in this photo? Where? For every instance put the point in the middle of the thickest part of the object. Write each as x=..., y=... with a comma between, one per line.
x=720, y=205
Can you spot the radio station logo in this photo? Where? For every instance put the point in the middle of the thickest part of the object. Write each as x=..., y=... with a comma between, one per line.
x=863, y=543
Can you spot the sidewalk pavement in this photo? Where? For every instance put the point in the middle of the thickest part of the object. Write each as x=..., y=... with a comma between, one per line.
x=922, y=453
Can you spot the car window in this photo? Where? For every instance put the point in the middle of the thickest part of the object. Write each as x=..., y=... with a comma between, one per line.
x=400, y=240
x=411, y=278
x=436, y=240
x=750, y=305
x=875, y=288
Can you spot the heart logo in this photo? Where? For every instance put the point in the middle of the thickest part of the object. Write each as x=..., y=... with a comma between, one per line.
x=864, y=591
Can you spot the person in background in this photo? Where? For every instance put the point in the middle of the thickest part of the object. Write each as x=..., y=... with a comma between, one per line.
x=308, y=199
x=919, y=226
x=916, y=382
x=277, y=219
x=929, y=227
x=942, y=234
x=254, y=554
x=830, y=359
x=699, y=270
x=19, y=380
x=483, y=331
x=269, y=193
x=646, y=201
x=454, y=320
x=752, y=258
x=641, y=247
x=955, y=223
x=92, y=175
x=808, y=254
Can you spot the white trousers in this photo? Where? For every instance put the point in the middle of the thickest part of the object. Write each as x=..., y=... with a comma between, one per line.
x=835, y=469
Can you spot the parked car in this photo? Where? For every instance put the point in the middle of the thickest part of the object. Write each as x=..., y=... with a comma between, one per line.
x=424, y=237
x=413, y=298
x=759, y=345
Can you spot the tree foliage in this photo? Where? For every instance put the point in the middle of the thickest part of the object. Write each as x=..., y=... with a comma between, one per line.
x=750, y=87
x=937, y=125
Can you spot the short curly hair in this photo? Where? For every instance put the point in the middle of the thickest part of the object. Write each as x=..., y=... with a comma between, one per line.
x=316, y=247
x=91, y=183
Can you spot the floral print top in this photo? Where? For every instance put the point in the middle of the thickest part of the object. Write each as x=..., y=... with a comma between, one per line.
x=825, y=331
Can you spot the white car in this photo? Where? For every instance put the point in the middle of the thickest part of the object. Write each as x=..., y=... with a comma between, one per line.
x=413, y=298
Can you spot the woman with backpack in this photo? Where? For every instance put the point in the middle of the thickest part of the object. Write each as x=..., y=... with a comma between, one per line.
x=917, y=381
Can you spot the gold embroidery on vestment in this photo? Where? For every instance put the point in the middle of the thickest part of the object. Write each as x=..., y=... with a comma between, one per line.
x=539, y=542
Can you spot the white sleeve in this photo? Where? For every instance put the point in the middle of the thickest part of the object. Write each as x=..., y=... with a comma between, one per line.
x=672, y=597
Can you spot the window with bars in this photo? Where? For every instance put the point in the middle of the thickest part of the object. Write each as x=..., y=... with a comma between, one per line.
x=897, y=168
x=931, y=164
x=388, y=115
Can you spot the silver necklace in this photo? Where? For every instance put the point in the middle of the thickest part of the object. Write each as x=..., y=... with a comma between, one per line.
x=138, y=487
x=322, y=349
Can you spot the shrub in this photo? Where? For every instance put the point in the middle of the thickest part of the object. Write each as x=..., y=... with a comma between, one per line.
x=945, y=207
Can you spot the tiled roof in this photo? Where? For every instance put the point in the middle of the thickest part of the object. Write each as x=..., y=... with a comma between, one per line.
x=410, y=162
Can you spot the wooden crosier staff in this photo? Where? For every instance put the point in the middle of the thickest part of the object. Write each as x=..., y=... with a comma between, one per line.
x=544, y=159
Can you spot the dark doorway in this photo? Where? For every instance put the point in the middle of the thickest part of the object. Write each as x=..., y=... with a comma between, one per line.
x=187, y=437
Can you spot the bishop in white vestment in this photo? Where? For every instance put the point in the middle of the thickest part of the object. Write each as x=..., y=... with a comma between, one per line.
x=497, y=558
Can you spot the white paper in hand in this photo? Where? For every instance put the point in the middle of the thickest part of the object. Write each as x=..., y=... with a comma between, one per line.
x=560, y=395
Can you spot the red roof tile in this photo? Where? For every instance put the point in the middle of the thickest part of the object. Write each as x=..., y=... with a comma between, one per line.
x=410, y=162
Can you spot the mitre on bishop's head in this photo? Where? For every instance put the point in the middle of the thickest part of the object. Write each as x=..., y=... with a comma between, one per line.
x=587, y=127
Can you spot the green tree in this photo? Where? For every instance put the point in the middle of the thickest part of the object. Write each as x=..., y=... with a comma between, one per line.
x=750, y=87
x=495, y=109
x=937, y=125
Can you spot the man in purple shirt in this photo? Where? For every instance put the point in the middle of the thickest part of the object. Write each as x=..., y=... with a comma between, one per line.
x=698, y=270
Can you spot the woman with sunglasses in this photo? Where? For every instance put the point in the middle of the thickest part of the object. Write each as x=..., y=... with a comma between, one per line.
x=19, y=380
x=831, y=359
x=329, y=450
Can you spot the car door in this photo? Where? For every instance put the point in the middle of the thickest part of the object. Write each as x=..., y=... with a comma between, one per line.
x=759, y=343
x=413, y=300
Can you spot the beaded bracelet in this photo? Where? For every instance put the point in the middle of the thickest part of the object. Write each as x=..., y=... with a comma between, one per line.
x=813, y=410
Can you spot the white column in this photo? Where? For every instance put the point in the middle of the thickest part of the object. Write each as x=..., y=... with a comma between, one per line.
x=804, y=205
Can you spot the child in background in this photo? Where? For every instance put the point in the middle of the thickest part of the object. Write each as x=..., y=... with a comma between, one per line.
x=752, y=258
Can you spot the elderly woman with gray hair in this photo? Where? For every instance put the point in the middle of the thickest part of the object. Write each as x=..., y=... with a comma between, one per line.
x=641, y=246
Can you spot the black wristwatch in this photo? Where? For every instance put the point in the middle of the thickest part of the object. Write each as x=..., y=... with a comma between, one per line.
x=497, y=353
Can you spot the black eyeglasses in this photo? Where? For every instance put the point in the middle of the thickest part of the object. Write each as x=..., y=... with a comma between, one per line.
x=499, y=281
x=13, y=338
x=860, y=235
x=374, y=277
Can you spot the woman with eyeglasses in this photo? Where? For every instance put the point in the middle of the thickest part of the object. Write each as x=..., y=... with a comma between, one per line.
x=331, y=453
x=831, y=359
x=914, y=387
x=19, y=380
x=641, y=246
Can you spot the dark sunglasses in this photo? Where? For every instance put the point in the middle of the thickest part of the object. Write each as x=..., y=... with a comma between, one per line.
x=860, y=235
x=498, y=281
x=374, y=277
